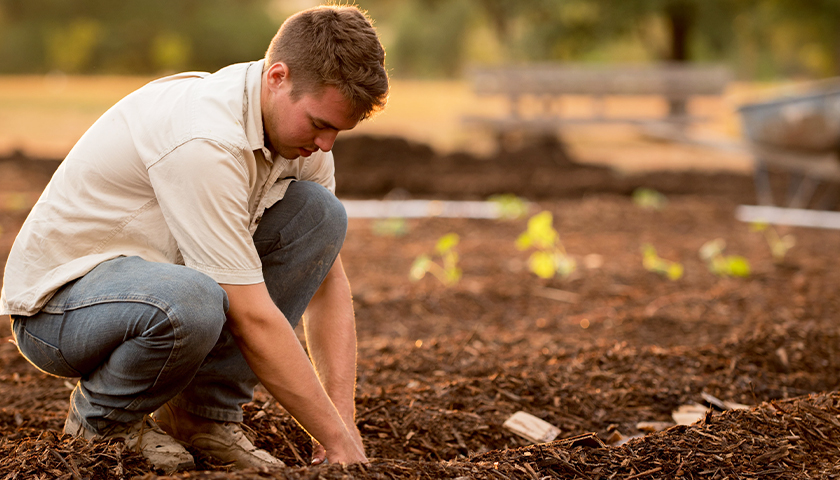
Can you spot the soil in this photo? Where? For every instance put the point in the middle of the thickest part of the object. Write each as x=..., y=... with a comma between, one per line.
x=596, y=353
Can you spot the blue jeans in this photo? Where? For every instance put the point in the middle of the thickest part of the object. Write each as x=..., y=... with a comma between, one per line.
x=140, y=333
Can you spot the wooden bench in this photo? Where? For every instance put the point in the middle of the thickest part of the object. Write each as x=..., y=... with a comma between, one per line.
x=547, y=83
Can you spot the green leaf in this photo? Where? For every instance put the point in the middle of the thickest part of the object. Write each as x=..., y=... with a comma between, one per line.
x=390, y=227
x=453, y=275
x=712, y=249
x=649, y=199
x=542, y=264
x=675, y=271
x=447, y=243
x=540, y=230
x=510, y=206
x=565, y=265
x=758, y=226
x=738, y=266
x=420, y=267
x=523, y=242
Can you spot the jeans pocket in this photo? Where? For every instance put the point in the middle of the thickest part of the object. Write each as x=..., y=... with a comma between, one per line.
x=44, y=356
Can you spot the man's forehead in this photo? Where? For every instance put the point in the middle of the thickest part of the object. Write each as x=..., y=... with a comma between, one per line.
x=331, y=109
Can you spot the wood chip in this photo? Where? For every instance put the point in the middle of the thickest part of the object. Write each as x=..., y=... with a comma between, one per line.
x=531, y=428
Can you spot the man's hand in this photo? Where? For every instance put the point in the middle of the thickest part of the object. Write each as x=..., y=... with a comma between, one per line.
x=319, y=453
x=274, y=353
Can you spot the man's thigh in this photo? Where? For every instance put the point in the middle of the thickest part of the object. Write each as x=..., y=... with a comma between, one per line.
x=161, y=307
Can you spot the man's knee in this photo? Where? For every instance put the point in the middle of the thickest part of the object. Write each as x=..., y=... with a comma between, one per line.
x=308, y=214
x=196, y=307
x=324, y=208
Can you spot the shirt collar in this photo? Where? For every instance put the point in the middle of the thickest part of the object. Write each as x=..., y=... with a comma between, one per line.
x=253, y=111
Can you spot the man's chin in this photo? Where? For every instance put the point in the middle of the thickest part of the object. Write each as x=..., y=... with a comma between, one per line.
x=293, y=153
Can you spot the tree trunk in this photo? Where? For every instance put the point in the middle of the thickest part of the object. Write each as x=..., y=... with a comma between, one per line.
x=681, y=17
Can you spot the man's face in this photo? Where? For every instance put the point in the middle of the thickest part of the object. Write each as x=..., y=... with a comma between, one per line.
x=301, y=127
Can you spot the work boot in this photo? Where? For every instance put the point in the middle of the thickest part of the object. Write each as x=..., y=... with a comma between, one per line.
x=145, y=437
x=223, y=441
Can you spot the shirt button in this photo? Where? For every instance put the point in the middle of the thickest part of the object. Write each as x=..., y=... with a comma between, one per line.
x=257, y=220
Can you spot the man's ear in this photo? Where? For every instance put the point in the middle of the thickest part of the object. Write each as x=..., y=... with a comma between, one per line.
x=277, y=74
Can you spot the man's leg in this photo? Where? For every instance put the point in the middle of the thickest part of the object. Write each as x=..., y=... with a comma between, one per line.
x=298, y=241
x=132, y=330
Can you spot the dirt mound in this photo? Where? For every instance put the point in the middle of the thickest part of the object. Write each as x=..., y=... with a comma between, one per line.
x=374, y=166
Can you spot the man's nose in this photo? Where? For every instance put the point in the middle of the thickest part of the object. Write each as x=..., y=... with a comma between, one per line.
x=325, y=140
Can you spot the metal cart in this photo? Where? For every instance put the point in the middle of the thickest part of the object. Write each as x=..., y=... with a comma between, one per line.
x=798, y=135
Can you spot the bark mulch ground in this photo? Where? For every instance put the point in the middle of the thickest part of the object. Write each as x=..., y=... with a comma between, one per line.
x=595, y=354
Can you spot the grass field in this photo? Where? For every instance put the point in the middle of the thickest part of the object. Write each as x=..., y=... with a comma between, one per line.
x=43, y=116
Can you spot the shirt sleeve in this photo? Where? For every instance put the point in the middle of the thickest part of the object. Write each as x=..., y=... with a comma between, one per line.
x=202, y=188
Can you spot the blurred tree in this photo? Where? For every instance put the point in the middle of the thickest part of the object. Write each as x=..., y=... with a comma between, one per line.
x=131, y=36
x=426, y=38
x=431, y=38
x=818, y=30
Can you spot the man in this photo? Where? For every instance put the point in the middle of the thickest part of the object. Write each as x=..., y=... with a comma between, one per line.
x=181, y=240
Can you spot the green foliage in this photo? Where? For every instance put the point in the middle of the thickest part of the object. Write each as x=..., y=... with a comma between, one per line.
x=550, y=257
x=447, y=271
x=723, y=265
x=427, y=38
x=779, y=245
x=390, y=227
x=14, y=202
x=430, y=39
x=649, y=199
x=152, y=36
x=511, y=207
x=654, y=263
x=70, y=47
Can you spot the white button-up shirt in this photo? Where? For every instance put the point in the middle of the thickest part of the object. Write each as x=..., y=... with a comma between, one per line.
x=176, y=172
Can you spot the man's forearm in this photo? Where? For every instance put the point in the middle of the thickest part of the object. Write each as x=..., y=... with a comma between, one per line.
x=331, y=337
x=273, y=352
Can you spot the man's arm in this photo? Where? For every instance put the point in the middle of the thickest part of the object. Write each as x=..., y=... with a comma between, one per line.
x=274, y=353
x=330, y=330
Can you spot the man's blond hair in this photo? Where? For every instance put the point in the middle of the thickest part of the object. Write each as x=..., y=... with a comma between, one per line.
x=333, y=46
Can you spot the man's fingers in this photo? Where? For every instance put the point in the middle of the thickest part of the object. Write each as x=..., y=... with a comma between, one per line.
x=319, y=453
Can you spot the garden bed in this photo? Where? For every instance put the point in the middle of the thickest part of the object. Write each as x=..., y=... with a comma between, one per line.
x=441, y=368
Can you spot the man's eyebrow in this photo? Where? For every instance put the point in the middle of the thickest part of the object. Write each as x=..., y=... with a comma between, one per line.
x=323, y=122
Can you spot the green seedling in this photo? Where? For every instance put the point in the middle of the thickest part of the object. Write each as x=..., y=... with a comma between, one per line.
x=511, y=207
x=723, y=265
x=649, y=199
x=390, y=227
x=779, y=245
x=550, y=257
x=14, y=202
x=654, y=263
x=447, y=271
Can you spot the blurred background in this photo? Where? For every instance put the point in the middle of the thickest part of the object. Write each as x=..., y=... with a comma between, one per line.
x=63, y=63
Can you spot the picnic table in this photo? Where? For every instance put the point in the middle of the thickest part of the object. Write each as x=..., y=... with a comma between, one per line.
x=549, y=83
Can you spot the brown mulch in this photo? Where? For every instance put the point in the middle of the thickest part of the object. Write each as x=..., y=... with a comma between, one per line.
x=440, y=369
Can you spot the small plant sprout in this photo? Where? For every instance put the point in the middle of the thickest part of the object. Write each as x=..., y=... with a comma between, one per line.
x=649, y=199
x=447, y=271
x=510, y=206
x=390, y=227
x=654, y=263
x=723, y=265
x=550, y=257
x=779, y=245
